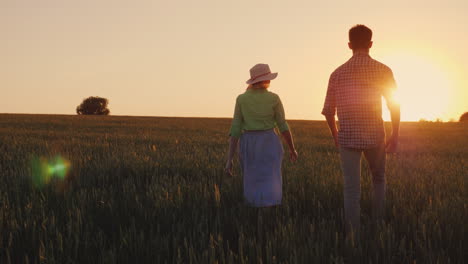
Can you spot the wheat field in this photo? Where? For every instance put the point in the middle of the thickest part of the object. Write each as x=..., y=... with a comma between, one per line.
x=110, y=189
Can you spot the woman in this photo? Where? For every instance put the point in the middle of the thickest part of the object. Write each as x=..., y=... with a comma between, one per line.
x=256, y=114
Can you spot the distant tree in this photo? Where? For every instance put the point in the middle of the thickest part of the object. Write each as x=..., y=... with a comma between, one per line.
x=93, y=105
x=464, y=117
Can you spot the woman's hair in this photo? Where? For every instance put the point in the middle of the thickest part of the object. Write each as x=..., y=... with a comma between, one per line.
x=259, y=85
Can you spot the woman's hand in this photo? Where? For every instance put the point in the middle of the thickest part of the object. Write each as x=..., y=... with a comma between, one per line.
x=228, y=168
x=292, y=150
x=293, y=155
x=233, y=142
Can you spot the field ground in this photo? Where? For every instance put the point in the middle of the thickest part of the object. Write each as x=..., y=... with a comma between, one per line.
x=152, y=190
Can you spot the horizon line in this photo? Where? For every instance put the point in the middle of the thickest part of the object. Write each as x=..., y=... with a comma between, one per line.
x=214, y=117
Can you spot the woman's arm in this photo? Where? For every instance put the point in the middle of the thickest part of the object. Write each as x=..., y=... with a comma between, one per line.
x=284, y=129
x=235, y=133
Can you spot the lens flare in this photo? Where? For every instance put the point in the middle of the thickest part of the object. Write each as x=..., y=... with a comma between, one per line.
x=45, y=170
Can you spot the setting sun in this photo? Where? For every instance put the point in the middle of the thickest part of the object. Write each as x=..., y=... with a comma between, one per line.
x=424, y=89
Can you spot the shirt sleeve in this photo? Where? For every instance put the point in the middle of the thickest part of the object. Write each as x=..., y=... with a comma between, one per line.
x=236, y=125
x=389, y=89
x=329, y=107
x=280, y=117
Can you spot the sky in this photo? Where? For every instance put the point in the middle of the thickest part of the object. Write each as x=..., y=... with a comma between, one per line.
x=192, y=58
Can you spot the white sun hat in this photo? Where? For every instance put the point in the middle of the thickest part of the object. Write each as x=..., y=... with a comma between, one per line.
x=261, y=72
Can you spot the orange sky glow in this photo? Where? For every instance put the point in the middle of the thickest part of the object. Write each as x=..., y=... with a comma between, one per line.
x=192, y=58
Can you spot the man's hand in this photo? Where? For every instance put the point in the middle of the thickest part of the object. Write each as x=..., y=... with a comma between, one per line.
x=334, y=131
x=392, y=144
x=228, y=168
x=293, y=155
x=335, y=138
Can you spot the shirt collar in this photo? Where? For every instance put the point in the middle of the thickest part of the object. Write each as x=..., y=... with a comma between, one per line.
x=256, y=90
x=361, y=53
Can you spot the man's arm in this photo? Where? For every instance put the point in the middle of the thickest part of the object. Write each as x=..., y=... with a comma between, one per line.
x=329, y=109
x=394, y=107
x=332, y=125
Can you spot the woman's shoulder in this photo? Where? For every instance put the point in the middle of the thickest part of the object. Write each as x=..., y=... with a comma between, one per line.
x=273, y=95
x=266, y=93
x=240, y=96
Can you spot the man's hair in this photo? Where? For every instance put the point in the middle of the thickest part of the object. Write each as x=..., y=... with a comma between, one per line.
x=360, y=36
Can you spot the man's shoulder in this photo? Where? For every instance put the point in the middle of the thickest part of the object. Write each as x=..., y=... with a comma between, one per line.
x=380, y=65
x=339, y=69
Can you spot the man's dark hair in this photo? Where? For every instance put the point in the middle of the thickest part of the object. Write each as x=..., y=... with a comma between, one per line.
x=360, y=36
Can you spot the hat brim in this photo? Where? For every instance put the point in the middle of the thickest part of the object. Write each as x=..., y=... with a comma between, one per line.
x=268, y=77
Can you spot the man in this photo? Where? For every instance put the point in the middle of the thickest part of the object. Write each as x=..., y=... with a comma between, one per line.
x=355, y=92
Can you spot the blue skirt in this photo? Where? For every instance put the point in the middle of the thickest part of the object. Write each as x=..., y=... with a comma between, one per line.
x=261, y=155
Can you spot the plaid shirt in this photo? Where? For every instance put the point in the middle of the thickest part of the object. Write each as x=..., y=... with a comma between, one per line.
x=355, y=91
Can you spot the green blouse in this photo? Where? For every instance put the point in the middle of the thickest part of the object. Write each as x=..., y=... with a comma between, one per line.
x=258, y=109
